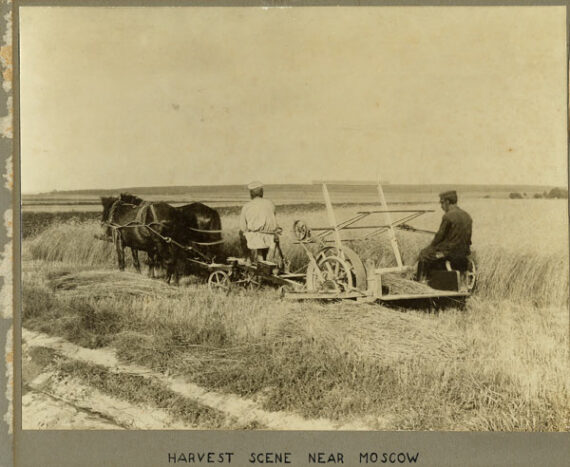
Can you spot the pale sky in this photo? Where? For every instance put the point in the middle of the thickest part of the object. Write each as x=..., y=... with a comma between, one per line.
x=122, y=97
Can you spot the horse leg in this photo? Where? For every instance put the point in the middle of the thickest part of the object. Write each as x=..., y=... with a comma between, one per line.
x=171, y=271
x=166, y=257
x=136, y=262
x=175, y=264
x=178, y=268
x=150, y=263
x=120, y=251
x=153, y=264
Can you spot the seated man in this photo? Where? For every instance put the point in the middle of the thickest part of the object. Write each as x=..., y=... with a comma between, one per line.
x=257, y=224
x=451, y=243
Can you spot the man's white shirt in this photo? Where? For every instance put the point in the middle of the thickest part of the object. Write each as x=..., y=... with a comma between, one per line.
x=257, y=221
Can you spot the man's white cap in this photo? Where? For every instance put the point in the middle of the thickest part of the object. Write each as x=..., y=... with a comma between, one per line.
x=254, y=185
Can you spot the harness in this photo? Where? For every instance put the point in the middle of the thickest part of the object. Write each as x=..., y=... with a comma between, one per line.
x=139, y=221
x=204, y=231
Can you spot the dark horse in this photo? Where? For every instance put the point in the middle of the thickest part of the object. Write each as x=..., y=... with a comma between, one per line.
x=142, y=226
x=201, y=230
x=201, y=227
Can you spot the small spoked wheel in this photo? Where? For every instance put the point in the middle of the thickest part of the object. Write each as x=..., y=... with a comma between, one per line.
x=248, y=280
x=301, y=230
x=251, y=281
x=219, y=282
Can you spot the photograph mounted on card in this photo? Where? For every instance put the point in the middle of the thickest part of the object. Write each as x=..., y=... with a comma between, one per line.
x=308, y=218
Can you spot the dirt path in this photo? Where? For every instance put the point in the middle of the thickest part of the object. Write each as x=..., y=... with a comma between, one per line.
x=78, y=397
x=44, y=412
x=60, y=403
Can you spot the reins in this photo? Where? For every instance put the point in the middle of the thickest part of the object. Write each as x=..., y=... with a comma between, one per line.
x=136, y=224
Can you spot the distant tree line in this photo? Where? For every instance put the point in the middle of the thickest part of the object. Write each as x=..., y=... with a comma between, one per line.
x=554, y=193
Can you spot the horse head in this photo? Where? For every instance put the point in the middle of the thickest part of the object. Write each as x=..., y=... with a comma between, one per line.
x=107, y=202
x=130, y=199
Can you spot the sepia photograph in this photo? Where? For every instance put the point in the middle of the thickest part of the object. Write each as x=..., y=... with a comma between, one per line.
x=294, y=218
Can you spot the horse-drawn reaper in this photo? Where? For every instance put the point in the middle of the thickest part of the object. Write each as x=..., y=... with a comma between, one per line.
x=192, y=234
x=335, y=271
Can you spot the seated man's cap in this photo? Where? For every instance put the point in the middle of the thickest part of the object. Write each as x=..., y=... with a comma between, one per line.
x=254, y=185
x=450, y=196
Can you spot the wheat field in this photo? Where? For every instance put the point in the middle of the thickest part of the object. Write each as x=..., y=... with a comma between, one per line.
x=500, y=364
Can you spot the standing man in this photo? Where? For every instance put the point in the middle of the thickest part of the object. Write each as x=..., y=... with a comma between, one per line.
x=452, y=241
x=257, y=224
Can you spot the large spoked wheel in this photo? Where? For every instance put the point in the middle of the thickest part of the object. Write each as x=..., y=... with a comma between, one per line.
x=219, y=282
x=330, y=274
x=357, y=269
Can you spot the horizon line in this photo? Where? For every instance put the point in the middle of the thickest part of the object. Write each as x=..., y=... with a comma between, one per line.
x=336, y=182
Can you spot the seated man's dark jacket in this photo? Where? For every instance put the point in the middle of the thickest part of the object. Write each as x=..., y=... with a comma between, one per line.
x=453, y=238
